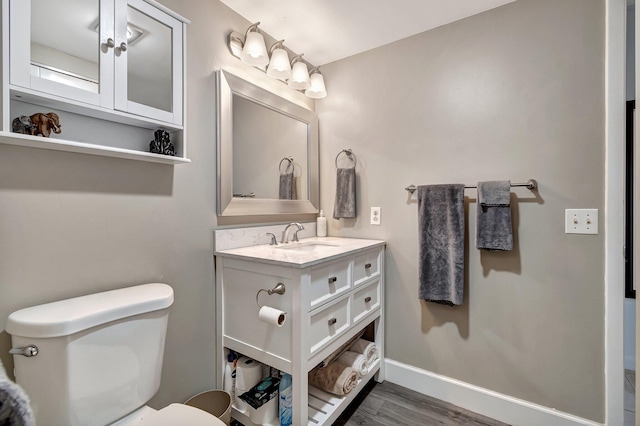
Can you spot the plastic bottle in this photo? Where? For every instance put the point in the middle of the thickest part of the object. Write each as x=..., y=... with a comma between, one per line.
x=285, y=397
x=321, y=225
x=230, y=374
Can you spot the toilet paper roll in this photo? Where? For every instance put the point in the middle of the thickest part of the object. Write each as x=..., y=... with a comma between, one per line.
x=272, y=316
x=248, y=373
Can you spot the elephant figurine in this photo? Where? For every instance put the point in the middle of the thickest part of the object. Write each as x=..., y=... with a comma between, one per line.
x=44, y=124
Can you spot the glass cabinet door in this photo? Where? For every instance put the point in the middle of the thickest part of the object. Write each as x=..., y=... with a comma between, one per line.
x=148, y=76
x=62, y=48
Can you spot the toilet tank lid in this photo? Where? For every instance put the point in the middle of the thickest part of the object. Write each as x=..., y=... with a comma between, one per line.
x=70, y=316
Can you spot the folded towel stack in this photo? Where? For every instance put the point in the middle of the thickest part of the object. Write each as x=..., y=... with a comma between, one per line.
x=356, y=361
x=366, y=348
x=336, y=378
x=14, y=403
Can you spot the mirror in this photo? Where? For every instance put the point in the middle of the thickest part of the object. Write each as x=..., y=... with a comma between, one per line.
x=65, y=41
x=149, y=61
x=65, y=48
x=267, y=152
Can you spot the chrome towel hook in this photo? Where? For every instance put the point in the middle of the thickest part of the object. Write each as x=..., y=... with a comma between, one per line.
x=278, y=289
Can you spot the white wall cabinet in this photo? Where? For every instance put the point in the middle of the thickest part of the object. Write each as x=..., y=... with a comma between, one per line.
x=99, y=64
x=327, y=304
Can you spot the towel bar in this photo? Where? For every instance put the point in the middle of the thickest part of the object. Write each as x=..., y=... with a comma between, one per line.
x=530, y=184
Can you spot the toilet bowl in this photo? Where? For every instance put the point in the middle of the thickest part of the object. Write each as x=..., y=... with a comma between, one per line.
x=98, y=359
x=171, y=415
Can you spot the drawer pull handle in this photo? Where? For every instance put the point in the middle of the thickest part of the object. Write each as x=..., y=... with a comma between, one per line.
x=367, y=265
x=332, y=321
x=367, y=299
x=332, y=280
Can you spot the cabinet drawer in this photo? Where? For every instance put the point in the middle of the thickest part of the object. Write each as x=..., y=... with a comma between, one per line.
x=328, y=324
x=366, y=266
x=365, y=300
x=328, y=282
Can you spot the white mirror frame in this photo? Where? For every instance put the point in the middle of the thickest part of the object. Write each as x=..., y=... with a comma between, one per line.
x=228, y=86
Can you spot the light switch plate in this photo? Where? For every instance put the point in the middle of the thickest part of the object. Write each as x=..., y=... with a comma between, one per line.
x=581, y=221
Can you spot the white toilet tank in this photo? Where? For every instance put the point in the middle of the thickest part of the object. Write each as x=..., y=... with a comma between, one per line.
x=99, y=356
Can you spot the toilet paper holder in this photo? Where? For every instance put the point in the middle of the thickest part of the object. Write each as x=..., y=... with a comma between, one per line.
x=278, y=289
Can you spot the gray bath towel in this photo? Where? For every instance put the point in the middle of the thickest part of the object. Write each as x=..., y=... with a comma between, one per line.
x=14, y=403
x=441, y=242
x=287, y=187
x=345, y=206
x=493, y=224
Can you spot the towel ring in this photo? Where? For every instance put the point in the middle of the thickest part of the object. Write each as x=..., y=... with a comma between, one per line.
x=290, y=160
x=349, y=154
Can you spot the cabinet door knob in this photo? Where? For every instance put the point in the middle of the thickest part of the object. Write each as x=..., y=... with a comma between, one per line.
x=332, y=321
x=367, y=265
x=332, y=280
x=123, y=46
x=367, y=299
x=110, y=43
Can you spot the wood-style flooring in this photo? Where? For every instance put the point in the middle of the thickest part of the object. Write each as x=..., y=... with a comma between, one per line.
x=387, y=404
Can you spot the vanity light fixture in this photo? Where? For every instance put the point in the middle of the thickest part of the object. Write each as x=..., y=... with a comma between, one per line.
x=254, y=51
x=279, y=66
x=299, y=74
x=316, y=89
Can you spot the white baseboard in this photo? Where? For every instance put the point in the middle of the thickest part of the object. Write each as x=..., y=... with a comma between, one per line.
x=483, y=401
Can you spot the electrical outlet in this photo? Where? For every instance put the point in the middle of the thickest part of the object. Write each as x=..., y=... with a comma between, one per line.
x=581, y=221
x=376, y=217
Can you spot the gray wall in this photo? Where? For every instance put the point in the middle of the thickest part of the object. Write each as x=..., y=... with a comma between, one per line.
x=73, y=224
x=513, y=93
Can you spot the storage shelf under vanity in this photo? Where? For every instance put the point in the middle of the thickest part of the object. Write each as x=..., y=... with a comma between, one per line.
x=323, y=408
x=329, y=301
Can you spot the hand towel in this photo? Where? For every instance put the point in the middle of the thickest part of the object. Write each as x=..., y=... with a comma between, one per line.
x=335, y=378
x=287, y=187
x=441, y=243
x=14, y=403
x=356, y=361
x=345, y=205
x=493, y=218
x=366, y=348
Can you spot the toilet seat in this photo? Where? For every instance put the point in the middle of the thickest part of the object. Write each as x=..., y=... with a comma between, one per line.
x=176, y=414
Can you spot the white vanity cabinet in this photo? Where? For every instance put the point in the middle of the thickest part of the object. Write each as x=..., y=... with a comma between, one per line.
x=328, y=300
x=113, y=70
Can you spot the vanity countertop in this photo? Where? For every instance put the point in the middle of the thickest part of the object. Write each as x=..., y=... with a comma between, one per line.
x=307, y=252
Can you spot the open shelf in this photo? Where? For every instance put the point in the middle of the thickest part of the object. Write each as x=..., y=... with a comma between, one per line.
x=325, y=408
x=17, y=139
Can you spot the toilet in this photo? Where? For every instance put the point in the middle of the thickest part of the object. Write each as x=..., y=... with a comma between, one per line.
x=98, y=359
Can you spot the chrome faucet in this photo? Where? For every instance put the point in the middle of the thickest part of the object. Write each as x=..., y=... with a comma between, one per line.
x=295, y=235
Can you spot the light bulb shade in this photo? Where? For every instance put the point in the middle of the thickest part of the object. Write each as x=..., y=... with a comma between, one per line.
x=254, y=52
x=317, y=89
x=279, y=66
x=299, y=76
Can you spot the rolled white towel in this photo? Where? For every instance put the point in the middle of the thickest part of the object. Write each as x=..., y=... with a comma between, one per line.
x=357, y=361
x=366, y=348
x=14, y=403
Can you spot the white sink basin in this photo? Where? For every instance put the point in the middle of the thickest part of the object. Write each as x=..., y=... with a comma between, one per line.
x=310, y=246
